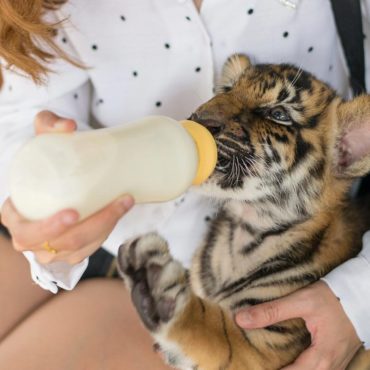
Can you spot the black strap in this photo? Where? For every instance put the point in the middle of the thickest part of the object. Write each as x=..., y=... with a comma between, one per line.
x=4, y=231
x=348, y=18
x=101, y=264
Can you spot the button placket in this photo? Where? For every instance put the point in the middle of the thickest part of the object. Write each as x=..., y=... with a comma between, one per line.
x=197, y=17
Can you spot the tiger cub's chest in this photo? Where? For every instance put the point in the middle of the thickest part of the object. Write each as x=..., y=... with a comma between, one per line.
x=235, y=249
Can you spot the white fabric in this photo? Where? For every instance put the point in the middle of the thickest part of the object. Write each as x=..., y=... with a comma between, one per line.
x=350, y=282
x=149, y=57
x=55, y=274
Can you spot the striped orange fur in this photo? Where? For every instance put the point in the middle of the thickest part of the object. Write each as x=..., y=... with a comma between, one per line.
x=284, y=170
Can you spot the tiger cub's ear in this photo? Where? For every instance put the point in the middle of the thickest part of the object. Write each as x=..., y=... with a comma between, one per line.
x=233, y=68
x=352, y=151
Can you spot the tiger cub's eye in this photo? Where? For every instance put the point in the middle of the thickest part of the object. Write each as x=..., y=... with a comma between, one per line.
x=280, y=114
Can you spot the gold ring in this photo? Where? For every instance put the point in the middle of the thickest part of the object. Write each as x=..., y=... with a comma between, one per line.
x=48, y=248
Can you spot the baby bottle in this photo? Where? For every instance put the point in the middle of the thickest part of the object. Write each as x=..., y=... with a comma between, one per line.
x=154, y=159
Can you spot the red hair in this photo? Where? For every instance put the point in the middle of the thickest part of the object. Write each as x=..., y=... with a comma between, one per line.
x=22, y=28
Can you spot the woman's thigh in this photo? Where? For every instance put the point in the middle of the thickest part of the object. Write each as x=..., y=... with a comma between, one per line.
x=19, y=296
x=94, y=327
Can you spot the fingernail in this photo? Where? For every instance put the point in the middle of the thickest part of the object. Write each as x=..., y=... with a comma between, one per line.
x=69, y=218
x=126, y=202
x=59, y=126
x=64, y=125
x=244, y=318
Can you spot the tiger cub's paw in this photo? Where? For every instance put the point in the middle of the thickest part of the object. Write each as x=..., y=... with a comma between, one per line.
x=159, y=284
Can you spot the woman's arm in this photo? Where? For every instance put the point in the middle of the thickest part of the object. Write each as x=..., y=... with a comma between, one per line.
x=66, y=93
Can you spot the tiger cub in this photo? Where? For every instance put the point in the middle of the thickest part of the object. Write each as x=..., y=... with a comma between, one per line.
x=286, y=161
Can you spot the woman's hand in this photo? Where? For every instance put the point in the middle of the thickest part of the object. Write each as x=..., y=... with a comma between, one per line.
x=73, y=240
x=334, y=340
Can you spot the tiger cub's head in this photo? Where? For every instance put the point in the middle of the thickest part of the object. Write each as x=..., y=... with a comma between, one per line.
x=283, y=134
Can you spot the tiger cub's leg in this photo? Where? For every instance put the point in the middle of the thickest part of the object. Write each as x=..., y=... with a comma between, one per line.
x=191, y=333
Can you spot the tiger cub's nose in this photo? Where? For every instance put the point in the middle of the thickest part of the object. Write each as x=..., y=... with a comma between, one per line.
x=208, y=120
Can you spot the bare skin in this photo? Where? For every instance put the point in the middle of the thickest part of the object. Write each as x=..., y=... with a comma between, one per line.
x=22, y=295
x=93, y=327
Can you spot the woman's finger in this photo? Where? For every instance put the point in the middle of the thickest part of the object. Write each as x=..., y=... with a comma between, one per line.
x=269, y=313
x=95, y=227
x=79, y=244
x=47, y=122
x=30, y=235
x=78, y=256
x=71, y=257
